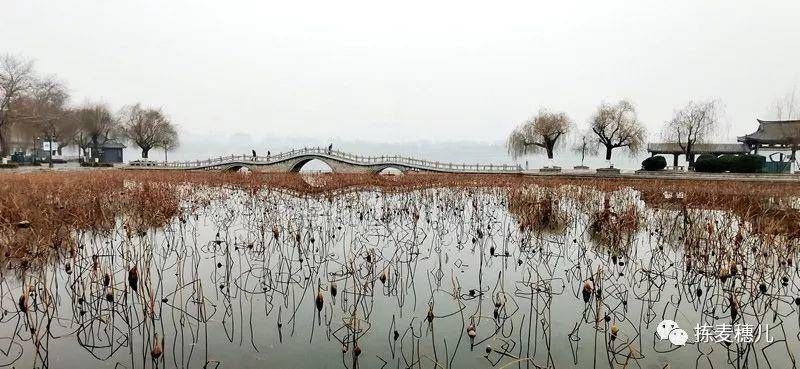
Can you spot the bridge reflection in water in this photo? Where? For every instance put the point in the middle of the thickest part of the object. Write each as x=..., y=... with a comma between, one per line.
x=338, y=161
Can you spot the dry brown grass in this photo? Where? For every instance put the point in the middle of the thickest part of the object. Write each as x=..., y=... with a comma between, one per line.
x=40, y=212
x=612, y=228
x=537, y=211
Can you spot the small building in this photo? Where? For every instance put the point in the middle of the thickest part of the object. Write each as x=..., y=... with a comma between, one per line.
x=35, y=150
x=47, y=150
x=112, y=152
x=674, y=149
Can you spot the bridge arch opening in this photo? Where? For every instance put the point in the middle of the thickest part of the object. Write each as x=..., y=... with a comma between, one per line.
x=311, y=166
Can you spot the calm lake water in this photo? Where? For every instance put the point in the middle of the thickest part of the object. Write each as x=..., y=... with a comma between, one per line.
x=441, y=278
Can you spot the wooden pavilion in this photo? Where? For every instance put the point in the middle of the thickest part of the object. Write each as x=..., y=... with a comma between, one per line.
x=774, y=135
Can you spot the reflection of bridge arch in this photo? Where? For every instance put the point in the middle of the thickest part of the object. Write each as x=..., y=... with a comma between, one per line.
x=302, y=163
x=338, y=161
x=400, y=168
x=390, y=169
x=237, y=167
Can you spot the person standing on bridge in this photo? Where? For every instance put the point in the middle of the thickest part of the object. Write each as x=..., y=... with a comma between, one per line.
x=254, y=153
x=330, y=148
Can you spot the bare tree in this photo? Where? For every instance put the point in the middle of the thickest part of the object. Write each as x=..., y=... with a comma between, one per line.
x=38, y=115
x=80, y=136
x=98, y=126
x=692, y=124
x=169, y=140
x=51, y=117
x=147, y=128
x=67, y=129
x=585, y=145
x=787, y=107
x=616, y=126
x=540, y=132
x=16, y=79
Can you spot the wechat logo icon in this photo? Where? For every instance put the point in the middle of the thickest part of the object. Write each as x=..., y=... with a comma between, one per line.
x=669, y=330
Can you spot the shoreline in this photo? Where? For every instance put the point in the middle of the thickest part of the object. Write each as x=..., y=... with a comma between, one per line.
x=625, y=174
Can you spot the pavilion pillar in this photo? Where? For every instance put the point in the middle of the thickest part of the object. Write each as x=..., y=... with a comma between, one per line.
x=674, y=160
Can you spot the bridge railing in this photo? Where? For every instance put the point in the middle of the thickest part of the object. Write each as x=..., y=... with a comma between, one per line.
x=334, y=154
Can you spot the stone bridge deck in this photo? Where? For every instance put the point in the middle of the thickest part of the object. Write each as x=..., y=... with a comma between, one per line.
x=340, y=162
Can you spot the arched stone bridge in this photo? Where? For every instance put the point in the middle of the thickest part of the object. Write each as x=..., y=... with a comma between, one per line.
x=340, y=162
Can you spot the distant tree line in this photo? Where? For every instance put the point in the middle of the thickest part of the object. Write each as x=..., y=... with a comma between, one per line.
x=612, y=126
x=36, y=108
x=617, y=126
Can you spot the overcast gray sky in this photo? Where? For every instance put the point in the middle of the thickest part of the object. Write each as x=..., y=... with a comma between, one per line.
x=410, y=70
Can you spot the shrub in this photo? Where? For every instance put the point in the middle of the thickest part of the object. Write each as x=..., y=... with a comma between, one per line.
x=654, y=163
x=728, y=161
x=703, y=157
x=709, y=163
x=9, y=166
x=748, y=163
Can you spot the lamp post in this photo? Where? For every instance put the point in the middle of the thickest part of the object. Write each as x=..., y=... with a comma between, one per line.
x=35, y=149
x=50, y=151
x=3, y=110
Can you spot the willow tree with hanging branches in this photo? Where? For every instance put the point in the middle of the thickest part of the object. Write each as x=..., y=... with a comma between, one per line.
x=618, y=126
x=98, y=125
x=543, y=131
x=694, y=123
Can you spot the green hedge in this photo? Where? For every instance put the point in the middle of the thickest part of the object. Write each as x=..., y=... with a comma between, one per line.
x=728, y=161
x=654, y=163
x=746, y=163
x=709, y=164
x=704, y=157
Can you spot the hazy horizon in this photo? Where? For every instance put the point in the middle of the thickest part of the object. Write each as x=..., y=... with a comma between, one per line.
x=378, y=73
